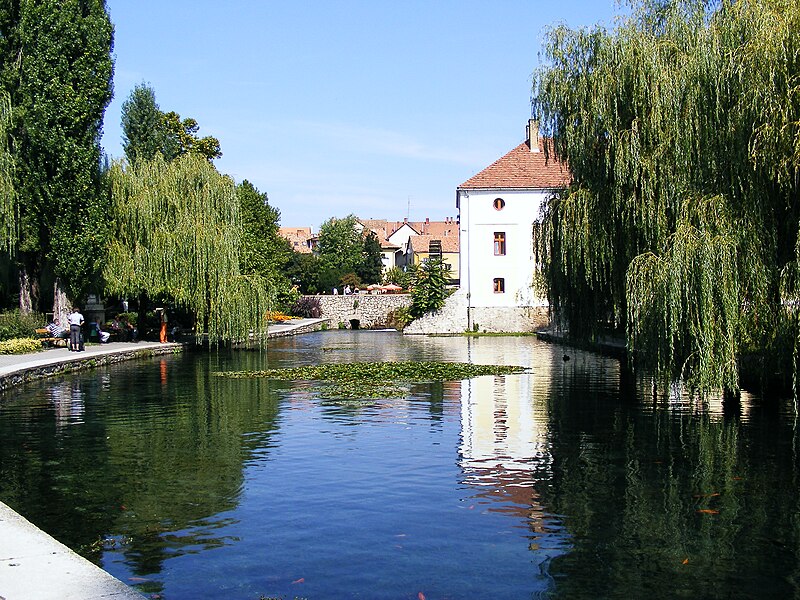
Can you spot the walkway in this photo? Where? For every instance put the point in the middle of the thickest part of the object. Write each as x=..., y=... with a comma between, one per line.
x=33, y=565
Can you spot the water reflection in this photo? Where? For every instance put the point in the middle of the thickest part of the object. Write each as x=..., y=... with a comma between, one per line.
x=572, y=480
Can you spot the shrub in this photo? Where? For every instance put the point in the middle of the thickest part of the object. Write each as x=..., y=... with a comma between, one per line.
x=399, y=318
x=14, y=324
x=350, y=279
x=396, y=276
x=20, y=346
x=308, y=307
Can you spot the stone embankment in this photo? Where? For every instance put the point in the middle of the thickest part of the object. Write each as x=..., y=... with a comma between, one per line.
x=361, y=311
x=456, y=317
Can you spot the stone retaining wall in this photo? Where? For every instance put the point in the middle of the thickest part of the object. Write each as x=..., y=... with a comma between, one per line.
x=367, y=310
x=96, y=360
x=453, y=318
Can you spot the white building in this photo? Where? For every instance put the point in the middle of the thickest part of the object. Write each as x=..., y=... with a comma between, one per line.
x=497, y=208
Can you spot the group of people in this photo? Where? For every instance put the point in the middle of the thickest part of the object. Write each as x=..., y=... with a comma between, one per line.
x=124, y=329
x=347, y=291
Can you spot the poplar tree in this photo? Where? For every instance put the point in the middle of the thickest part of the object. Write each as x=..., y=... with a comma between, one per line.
x=57, y=69
x=680, y=227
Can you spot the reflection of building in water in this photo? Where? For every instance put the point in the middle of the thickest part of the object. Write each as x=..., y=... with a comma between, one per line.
x=504, y=430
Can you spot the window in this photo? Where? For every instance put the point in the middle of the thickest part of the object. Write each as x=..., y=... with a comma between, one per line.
x=499, y=243
x=499, y=285
x=499, y=203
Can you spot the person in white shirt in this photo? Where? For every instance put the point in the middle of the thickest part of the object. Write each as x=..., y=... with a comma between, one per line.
x=75, y=324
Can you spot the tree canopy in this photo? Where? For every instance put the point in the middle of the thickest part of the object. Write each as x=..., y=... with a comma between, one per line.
x=262, y=251
x=177, y=236
x=56, y=67
x=681, y=130
x=147, y=130
x=143, y=132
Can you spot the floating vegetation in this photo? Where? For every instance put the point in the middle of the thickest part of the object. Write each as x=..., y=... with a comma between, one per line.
x=379, y=371
x=356, y=382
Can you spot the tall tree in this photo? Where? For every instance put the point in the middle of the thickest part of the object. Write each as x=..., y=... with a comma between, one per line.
x=57, y=69
x=371, y=265
x=143, y=133
x=340, y=249
x=680, y=128
x=263, y=251
x=177, y=236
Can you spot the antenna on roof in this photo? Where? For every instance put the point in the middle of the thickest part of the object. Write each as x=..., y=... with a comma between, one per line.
x=408, y=208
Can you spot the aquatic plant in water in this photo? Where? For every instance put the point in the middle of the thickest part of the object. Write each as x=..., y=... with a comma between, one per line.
x=357, y=381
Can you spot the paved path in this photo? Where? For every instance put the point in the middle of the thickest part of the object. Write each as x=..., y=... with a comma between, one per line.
x=33, y=565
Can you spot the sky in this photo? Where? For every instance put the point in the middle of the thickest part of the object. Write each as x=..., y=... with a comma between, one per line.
x=375, y=108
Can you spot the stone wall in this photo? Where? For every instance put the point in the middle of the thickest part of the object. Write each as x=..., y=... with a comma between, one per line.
x=368, y=311
x=452, y=318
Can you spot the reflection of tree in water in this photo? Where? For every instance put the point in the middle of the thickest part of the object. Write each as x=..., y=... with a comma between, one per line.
x=670, y=500
x=183, y=461
x=152, y=463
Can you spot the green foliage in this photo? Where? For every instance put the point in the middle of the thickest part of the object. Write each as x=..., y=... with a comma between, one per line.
x=399, y=318
x=397, y=276
x=340, y=246
x=429, y=289
x=354, y=381
x=680, y=129
x=181, y=138
x=57, y=68
x=371, y=265
x=350, y=279
x=15, y=324
x=178, y=236
x=143, y=134
x=20, y=346
x=303, y=271
x=263, y=251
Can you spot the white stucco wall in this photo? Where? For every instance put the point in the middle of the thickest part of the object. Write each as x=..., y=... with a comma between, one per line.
x=479, y=265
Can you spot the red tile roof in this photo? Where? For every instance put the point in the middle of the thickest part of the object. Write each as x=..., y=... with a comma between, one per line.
x=521, y=169
x=420, y=243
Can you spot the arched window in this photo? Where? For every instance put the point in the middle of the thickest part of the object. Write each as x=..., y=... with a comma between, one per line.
x=499, y=203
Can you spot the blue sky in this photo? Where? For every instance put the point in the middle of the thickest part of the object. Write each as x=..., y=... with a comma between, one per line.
x=376, y=108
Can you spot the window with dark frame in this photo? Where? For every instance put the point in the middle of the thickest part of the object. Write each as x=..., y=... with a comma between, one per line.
x=499, y=203
x=499, y=285
x=499, y=243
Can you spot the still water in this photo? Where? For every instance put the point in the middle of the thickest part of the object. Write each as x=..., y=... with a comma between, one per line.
x=569, y=481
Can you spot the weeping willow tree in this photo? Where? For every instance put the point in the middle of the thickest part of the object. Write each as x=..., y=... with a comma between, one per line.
x=681, y=128
x=177, y=235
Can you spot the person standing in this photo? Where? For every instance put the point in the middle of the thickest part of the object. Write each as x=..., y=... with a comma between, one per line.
x=75, y=324
x=162, y=333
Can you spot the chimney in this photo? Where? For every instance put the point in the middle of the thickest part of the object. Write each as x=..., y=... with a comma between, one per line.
x=427, y=220
x=533, y=135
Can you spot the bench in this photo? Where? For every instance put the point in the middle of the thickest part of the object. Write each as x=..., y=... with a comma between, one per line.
x=48, y=341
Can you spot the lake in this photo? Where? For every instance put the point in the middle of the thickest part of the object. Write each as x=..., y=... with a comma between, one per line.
x=571, y=480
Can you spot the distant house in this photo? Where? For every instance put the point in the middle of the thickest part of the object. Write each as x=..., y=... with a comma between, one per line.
x=301, y=239
x=396, y=236
x=421, y=247
x=497, y=209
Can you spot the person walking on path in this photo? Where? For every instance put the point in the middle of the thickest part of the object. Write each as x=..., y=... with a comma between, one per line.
x=75, y=324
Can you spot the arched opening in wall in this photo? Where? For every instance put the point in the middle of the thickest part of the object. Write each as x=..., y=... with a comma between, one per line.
x=355, y=324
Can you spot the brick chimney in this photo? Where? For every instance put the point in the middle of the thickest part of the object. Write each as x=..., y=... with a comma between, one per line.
x=532, y=133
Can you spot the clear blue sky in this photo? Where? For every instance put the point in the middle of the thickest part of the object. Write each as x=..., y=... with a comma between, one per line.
x=377, y=108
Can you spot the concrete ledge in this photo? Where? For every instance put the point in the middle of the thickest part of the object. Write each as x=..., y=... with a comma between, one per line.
x=35, y=566
x=47, y=364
